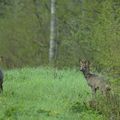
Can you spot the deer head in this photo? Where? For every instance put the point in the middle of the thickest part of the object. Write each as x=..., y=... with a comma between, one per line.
x=84, y=66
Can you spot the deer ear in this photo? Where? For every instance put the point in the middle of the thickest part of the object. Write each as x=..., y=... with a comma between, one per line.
x=88, y=63
x=79, y=60
x=82, y=61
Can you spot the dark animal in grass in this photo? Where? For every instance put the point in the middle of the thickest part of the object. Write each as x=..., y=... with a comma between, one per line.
x=1, y=81
x=94, y=81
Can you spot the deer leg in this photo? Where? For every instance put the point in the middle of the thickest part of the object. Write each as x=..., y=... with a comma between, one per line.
x=1, y=88
x=93, y=92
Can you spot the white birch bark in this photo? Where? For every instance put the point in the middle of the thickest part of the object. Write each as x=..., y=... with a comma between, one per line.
x=52, y=44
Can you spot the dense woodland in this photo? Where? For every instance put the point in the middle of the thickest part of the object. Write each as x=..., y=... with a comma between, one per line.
x=85, y=29
x=45, y=39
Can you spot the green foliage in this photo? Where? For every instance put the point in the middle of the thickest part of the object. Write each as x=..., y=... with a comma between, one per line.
x=21, y=38
x=109, y=107
x=85, y=30
x=106, y=35
x=43, y=93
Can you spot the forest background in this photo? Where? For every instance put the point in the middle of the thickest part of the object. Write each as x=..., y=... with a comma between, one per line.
x=85, y=30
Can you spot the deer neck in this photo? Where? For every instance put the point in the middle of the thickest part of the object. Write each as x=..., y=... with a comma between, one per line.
x=86, y=74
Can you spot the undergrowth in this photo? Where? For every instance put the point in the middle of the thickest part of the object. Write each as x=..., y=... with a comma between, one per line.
x=49, y=94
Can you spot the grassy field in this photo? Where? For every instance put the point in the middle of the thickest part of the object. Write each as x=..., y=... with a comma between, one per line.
x=45, y=94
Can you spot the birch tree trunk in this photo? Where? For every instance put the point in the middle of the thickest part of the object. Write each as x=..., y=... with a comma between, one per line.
x=53, y=43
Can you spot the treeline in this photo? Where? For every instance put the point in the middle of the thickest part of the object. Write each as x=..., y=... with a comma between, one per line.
x=85, y=29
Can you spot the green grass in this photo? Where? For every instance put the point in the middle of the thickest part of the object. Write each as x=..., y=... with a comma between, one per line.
x=45, y=94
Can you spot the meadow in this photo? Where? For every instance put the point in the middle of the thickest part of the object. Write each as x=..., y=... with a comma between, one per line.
x=46, y=94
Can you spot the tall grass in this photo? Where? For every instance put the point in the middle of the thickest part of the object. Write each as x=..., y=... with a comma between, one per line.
x=46, y=94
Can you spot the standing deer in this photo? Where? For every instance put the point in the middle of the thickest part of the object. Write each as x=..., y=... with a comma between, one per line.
x=94, y=81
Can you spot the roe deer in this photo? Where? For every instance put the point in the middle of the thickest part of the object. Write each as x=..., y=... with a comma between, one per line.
x=94, y=81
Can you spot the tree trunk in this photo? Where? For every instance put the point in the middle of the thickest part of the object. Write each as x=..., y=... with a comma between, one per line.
x=53, y=43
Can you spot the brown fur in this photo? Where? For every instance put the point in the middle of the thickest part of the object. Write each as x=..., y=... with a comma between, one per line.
x=94, y=81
